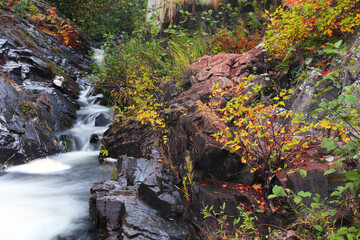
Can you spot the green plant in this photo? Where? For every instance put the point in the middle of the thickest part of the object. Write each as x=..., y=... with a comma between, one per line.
x=243, y=227
x=114, y=173
x=318, y=217
x=20, y=6
x=101, y=17
x=26, y=107
x=188, y=181
x=103, y=151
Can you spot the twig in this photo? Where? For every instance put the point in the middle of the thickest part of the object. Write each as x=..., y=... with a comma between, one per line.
x=112, y=86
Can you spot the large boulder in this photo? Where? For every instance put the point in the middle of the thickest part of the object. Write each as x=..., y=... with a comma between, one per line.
x=131, y=138
x=193, y=124
x=143, y=203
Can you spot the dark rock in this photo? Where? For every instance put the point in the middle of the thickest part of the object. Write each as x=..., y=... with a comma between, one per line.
x=101, y=120
x=131, y=138
x=168, y=91
x=193, y=133
x=154, y=182
x=94, y=138
x=32, y=110
x=120, y=214
x=315, y=181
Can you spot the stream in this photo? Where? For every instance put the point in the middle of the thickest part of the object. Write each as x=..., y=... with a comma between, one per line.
x=48, y=198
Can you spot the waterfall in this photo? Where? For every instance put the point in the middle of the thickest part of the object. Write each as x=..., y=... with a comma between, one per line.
x=48, y=198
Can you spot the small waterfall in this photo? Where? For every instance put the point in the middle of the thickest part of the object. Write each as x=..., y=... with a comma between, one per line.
x=48, y=198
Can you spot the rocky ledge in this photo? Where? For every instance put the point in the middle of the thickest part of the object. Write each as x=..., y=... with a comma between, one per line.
x=141, y=204
x=38, y=89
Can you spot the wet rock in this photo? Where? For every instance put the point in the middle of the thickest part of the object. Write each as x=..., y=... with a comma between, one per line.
x=131, y=138
x=120, y=214
x=94, y=138
x=154, y=182
x=33, y=110
x=101, y=120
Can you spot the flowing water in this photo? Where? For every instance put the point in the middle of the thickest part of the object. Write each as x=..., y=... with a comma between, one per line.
x=48, y=198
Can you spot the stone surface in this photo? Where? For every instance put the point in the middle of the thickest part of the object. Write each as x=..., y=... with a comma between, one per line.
x=33, y=109
x=154, y=182
x=131, y=138
x=102, y=120
x=120, y=213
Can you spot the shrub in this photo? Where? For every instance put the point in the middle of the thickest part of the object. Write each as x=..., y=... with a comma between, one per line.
x=302, y=24
x=268, y=137
x=103, y=17
x=62, y=30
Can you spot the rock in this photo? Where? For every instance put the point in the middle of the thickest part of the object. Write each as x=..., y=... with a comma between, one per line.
x=284, y=235
x=315, y=181
x=94, y=138
x=34, y=108
x=193, y=134
x=120, y=214
x=58, y=81
x=131, y=138
x=154, y=182
x=101, y=120
x=168, y=91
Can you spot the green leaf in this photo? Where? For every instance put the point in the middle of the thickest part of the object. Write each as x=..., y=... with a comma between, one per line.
x=304, y=194
x=331, y=51
x=318, y=227
x=342, y=230
x=278, y=191
x=341, y=98
x=352, y=68
x=325, y=214
x=303, y=173
x=315, y=205
x=337, y=44
x=350, y=99
x=297, y=199
x=328, y=143
x=352, y=176
x=349, y=236
x=329, y=171
x=272, y=196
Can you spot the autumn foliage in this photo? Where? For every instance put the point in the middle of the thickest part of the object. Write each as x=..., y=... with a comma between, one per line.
x=62, y=30
x=303, y=24
x=226, y=41
x=268, y=137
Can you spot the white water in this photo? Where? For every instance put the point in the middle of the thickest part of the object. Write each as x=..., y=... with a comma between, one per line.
x=48, y=198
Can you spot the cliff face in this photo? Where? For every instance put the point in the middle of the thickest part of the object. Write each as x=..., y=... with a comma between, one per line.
x=34, y=107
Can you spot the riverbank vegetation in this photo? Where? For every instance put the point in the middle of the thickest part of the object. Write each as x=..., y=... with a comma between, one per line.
x=300, y=37
x=311, y=33
x=314, y=35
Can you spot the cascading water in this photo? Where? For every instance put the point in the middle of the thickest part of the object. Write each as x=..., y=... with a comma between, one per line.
x=48, y=198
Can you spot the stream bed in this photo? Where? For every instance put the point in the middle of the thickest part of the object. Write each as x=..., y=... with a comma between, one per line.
x=48, y=198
